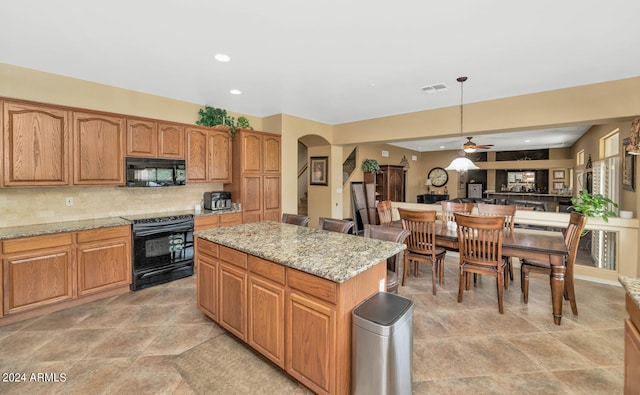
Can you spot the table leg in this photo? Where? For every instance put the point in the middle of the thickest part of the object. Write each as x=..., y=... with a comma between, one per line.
x=558, y=270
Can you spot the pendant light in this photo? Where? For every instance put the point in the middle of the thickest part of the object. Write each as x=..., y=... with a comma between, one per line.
x=461, y=163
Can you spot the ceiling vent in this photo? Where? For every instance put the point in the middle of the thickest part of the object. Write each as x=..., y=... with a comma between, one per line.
x=434, y=88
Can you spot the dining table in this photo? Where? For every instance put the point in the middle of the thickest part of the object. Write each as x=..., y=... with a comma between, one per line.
x=532, y=244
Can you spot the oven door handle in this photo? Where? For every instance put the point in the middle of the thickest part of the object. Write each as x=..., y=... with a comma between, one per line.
x=164, y=229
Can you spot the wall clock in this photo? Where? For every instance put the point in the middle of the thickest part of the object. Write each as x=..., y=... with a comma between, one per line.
x=438, y=176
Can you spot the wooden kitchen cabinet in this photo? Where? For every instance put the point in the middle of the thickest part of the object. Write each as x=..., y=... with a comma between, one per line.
x=142, y=138
x=103, y=259
x=266, y=308
x=202, y=222
x=170, y=141
x=37, y=271
x=233, y=300
x=98, y=149
x=36, y=145
x=207, y=297
x=256, y=181
x=632, y=348
x=208, y=155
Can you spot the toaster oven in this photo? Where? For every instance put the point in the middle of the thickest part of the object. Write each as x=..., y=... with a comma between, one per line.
x=217, y=200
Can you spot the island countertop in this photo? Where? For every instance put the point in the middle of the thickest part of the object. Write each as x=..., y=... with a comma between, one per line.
x=330, y=255
x=632, y=286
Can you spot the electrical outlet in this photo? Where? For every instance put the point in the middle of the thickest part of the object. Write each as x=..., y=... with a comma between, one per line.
x=68, y=201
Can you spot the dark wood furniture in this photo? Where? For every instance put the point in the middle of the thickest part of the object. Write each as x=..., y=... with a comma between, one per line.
x=632, y=347
x=335, y=225
x=508, y=212
x=388, y=183
x=384, y=212
x=397, y=235
x=295, y=219
x=421, y=244
x=450, y=208
x=577, y=223
x=480, y=247
x=431, y=198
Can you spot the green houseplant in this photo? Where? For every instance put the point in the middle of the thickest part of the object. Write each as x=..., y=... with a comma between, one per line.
x=211, y=116
x=593, y=205
x=243, y=122
x=370, y=166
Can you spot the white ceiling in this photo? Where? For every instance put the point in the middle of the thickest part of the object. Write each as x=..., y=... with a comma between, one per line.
x=332, y=61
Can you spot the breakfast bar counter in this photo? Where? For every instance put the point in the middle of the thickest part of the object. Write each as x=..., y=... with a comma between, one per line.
x=288, y=292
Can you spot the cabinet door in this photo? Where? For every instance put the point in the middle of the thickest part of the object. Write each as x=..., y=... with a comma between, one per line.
x=251, y=160
x=103, y=265
x=219, y=156
x=232, y=313
x=271, y=198
x=196, y=155
x=251, y=198
x=170, y=141
x=37, y=278
x=271, y=154
x=207, y=286
x=396, y=185
x=310, y=328
x=36, y=145
x=98, y=149
x=266, y=319
x=142, y=138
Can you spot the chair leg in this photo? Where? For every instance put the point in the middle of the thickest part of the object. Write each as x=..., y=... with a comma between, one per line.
x=461, y=283
x=505, y=273
x=405, y=269
x=501, y=278
x=467, y=278
x=570, y=294
x=441, y=268
x=434, y=276
x=509, y=266
x=416, y=268
x=525, y=284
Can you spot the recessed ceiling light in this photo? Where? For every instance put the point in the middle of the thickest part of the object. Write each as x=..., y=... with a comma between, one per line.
x=235, y=91
x=527, y=141
x=442, y=147
x=220, y=57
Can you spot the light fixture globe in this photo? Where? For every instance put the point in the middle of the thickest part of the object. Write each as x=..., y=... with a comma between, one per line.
x=461, y=164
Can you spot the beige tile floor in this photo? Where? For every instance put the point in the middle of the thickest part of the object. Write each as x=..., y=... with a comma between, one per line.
x=126, y=344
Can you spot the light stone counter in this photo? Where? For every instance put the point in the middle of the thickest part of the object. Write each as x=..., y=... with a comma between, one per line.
x=632, y=286
x=59, y=227
x=330, y=255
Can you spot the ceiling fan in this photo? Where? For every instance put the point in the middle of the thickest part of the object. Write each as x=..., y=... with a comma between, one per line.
x=470, y=146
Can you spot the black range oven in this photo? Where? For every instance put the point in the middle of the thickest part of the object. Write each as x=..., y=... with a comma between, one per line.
x=162, y=249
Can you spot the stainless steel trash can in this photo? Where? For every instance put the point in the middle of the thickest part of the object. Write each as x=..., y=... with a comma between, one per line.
x=382, y=345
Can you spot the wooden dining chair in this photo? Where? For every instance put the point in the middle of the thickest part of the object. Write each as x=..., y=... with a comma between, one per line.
x=335, y=225
x=421, y=243
x=450, y=208
x=384, y=212
x=577, y=222
x=509, y=213
x=480, y=246
x=397, y=235
x=295, y=219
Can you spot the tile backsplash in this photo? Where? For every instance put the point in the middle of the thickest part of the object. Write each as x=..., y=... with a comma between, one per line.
x=28, y=206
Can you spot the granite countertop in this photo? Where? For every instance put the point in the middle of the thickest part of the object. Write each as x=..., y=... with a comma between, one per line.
x=632, y=286
x=14, y=232
x=330, y=255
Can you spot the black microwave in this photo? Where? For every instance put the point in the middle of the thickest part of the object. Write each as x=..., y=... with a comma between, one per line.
x=151, y=172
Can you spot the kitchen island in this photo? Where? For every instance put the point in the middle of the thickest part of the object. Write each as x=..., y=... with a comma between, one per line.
x=552, y=202
x=288, y=292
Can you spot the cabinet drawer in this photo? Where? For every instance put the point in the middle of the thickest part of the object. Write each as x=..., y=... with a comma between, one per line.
x=233, y=257
x=104, y=233
x=36, y=242
x=312, y=285
x=206, y=222
x=231, y=219
x=267, y=269
x=208, y=248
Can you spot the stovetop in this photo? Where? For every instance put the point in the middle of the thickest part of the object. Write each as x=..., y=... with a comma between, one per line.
x=158, y=217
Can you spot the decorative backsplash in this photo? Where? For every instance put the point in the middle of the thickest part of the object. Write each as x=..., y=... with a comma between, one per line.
x=28, y=206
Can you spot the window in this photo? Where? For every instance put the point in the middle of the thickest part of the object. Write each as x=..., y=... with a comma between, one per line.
x=580, y=158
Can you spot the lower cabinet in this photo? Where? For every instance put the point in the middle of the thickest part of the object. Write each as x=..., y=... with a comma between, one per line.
x=103, y=259
x=300, y=322
x=40, y=273
x=37, y=272
x=632, y=348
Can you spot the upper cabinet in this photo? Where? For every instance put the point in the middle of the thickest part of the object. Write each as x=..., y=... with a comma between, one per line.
x=36, y=145
x=150, y=139
x=98, y=149
x=208, y=155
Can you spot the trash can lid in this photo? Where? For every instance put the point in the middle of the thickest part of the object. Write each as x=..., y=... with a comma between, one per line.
x=383, y=308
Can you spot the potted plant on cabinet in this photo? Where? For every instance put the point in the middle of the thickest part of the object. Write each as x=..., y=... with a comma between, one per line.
x=370, y=166
x=593, y=205
x=217, y=117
